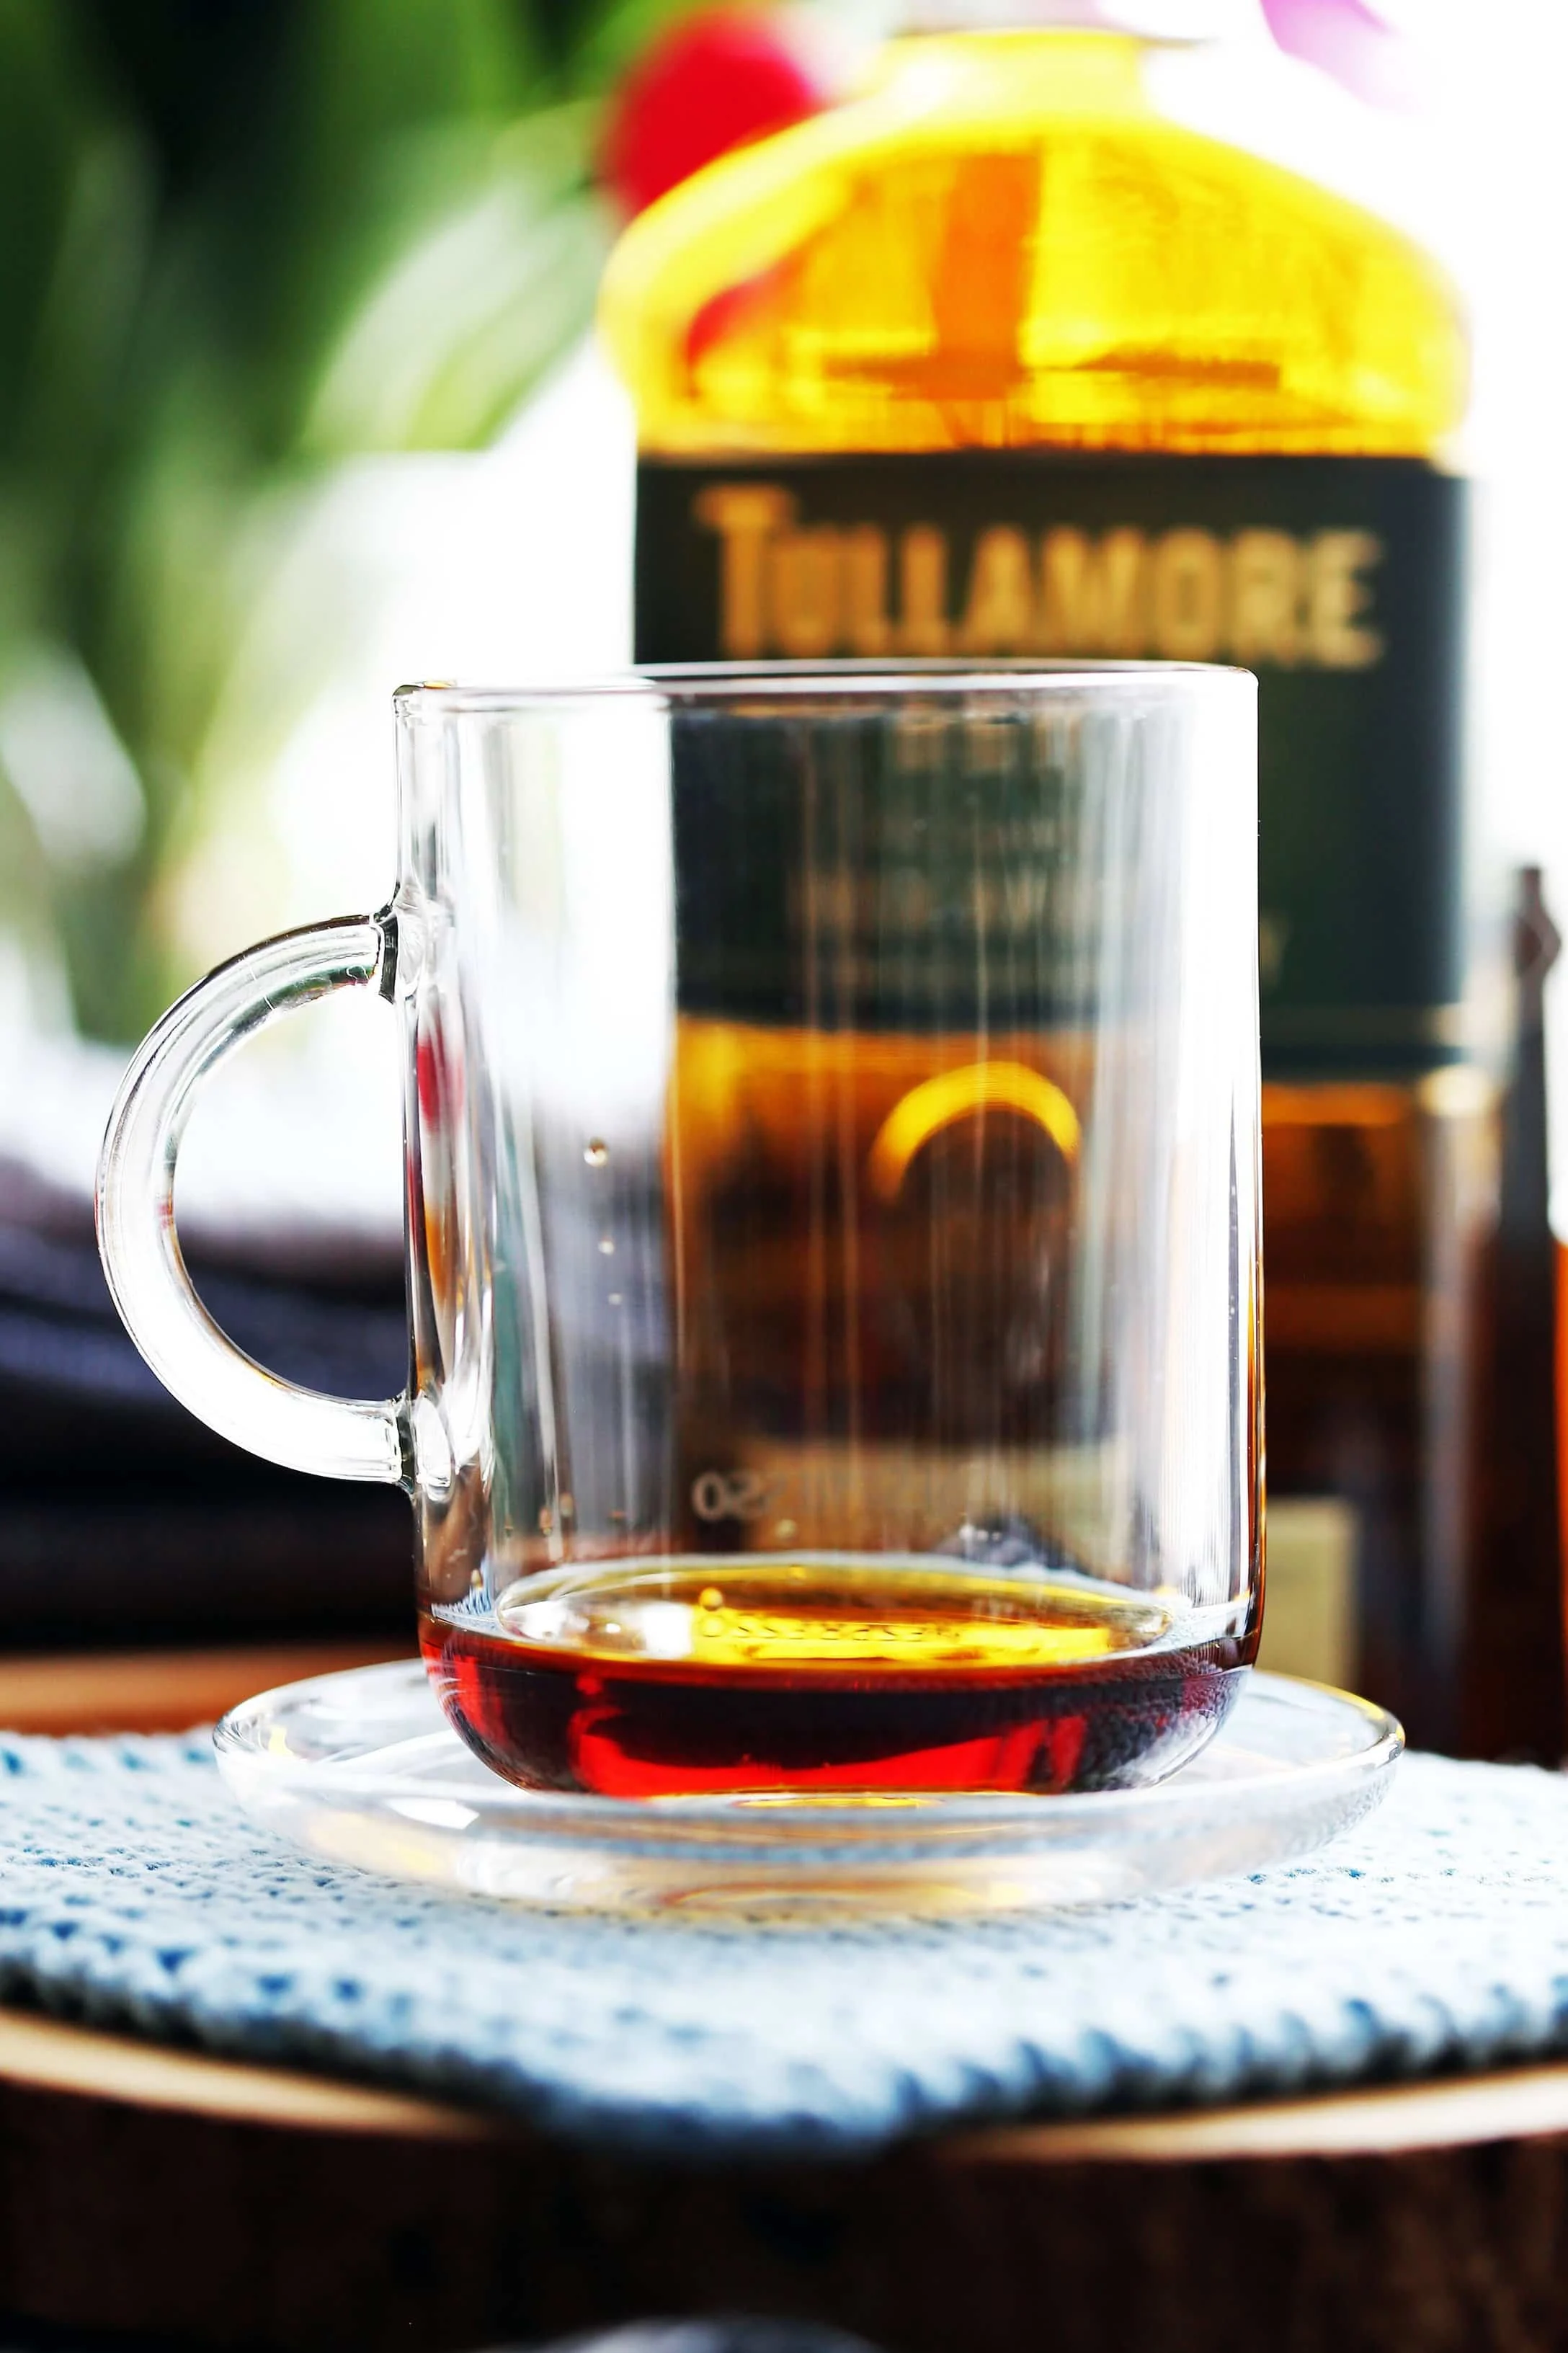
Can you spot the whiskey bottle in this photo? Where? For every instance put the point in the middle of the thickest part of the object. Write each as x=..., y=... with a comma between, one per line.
x=996, y=359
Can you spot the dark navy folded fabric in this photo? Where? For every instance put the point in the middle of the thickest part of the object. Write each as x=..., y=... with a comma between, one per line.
x=122, y=1519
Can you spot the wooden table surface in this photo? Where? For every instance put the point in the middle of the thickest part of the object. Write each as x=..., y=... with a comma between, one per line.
x=199, y=2199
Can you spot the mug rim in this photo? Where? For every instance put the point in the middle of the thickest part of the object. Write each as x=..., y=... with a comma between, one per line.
x=724, y=683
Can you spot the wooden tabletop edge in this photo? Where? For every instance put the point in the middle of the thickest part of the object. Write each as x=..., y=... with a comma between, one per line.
x=47, y=2054
x=164, y=1691
x=50, y=2055
x=1394, y=2119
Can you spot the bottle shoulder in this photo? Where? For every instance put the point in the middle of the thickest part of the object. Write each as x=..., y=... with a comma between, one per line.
x=985, y=274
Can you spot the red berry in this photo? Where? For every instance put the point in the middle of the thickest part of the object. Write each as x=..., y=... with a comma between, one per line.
x=715, y=81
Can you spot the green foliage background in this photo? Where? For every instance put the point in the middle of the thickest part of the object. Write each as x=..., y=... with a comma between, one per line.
x=242, y=241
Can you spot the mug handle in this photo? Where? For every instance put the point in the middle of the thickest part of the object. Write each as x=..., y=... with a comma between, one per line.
x=338, y=1438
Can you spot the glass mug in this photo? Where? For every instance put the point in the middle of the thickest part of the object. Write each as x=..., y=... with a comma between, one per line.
x=832, y=1147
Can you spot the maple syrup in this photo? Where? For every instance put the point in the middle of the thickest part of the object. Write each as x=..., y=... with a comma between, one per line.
x=826, y=1676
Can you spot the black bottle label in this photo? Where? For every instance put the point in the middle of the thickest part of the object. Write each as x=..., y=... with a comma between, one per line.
x=1336, y=579
x=906, y=873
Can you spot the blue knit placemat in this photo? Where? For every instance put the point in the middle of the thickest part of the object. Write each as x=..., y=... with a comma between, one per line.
x=1435, y=1933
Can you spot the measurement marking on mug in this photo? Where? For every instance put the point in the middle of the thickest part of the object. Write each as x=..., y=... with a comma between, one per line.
x=731, y=1494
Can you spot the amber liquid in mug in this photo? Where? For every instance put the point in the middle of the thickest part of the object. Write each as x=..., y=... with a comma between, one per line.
x=824, y=1675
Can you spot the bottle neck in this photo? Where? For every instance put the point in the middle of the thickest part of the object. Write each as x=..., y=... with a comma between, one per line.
x=1154, y=20
x=1061, y=67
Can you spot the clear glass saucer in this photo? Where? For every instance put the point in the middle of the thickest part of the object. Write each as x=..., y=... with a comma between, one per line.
x=364, y=1768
